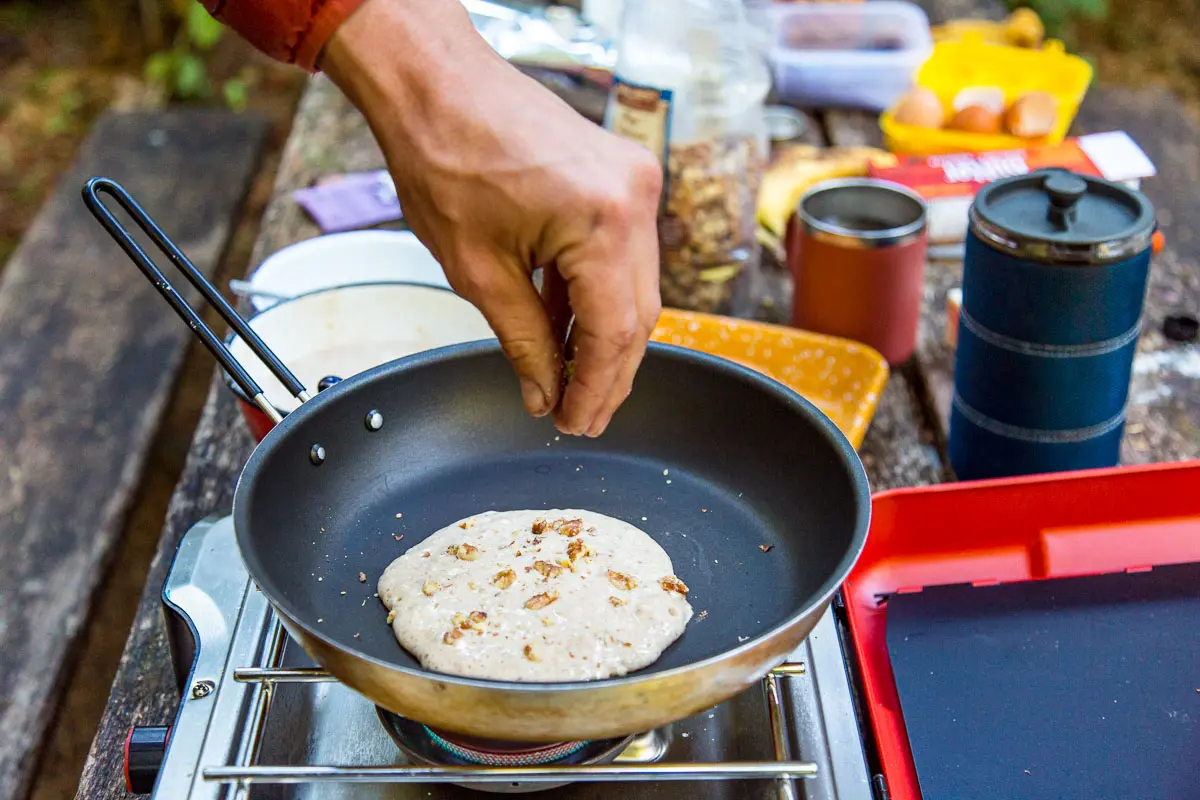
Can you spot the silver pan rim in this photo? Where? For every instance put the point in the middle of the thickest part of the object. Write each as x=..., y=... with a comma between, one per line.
x=632, y=681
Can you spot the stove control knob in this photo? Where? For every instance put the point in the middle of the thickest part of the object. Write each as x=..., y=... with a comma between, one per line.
x=145, y=749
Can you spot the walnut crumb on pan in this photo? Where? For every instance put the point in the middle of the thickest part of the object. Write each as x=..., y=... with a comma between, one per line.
x=362, y=577
x=540, y=601
x=766, y=548
x=621, y=580
x=463, y=552
x=673, y=584
x=576, y=549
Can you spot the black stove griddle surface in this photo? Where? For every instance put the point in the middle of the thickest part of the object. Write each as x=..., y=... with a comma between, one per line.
x=1071, y=688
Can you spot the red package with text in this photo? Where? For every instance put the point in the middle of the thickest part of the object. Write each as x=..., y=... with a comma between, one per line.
x=949, y=182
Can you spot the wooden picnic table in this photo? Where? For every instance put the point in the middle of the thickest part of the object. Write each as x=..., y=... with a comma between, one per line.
x=905, y=444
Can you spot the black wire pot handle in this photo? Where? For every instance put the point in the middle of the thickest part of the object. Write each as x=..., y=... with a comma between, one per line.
x=91, y=197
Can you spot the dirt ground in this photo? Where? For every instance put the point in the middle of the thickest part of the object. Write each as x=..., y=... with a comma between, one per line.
x=58, y=72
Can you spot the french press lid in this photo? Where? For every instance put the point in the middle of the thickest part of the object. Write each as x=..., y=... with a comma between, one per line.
x=1060, y=217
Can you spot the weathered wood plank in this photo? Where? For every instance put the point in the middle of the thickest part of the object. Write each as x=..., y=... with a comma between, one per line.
x=1164, y=403
x=327, y=137
x=849, y=128
x=88, y=355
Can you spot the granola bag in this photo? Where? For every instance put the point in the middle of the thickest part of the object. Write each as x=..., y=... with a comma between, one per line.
x=689, y=85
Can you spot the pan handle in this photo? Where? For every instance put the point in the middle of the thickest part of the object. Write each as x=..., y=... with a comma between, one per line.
x=91, y=198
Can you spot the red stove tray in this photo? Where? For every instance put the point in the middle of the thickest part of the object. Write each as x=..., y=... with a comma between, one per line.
x=986, y=532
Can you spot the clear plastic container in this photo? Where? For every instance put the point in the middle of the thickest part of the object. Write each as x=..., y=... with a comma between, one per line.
x=689, y=84
x=847, y=55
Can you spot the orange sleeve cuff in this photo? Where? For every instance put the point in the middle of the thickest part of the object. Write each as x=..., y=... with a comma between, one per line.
x=293, y=31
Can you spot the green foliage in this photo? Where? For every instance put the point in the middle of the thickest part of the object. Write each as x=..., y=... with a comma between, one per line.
x=67, y=115
x=235, y=94
x=1057, y=15
x=202, y=30
x=181, y=71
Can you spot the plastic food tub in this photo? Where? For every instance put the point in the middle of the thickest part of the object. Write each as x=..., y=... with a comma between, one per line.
x=956, y=65
x=851, y=55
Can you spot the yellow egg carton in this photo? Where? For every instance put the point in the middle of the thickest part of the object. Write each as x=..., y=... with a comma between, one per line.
x=968, y=61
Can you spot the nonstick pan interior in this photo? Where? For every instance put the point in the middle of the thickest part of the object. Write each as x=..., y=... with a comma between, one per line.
x=714, y=461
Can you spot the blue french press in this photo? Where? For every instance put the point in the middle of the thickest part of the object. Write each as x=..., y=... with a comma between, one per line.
x=1054, y=283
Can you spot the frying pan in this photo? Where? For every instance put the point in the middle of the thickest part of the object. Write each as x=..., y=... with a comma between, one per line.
x=759, y=500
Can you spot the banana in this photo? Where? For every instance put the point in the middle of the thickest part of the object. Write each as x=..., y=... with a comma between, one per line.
x=799, y=167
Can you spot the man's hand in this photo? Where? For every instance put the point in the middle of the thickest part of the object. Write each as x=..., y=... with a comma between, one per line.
x=498, y=177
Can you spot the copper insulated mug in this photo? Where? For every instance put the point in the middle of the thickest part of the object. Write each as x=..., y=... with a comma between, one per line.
x=856, y=249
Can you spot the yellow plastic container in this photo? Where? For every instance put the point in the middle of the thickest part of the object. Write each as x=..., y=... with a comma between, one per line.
x=842, y=378
x=956, y=65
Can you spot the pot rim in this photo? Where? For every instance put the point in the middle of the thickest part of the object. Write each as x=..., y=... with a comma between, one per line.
x=232, y=335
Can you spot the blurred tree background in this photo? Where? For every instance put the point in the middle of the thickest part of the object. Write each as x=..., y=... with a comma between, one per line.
x=62, y=62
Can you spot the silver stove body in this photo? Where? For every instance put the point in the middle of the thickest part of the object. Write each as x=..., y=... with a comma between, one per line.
x=305, y=736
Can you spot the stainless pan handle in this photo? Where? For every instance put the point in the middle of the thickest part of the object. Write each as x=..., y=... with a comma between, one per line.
x=91, y=197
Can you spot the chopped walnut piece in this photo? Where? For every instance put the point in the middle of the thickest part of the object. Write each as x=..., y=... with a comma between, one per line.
x=452, y=636
x=467, y=524
x=547, y=570
x=547, y=621
x=459, y=620
x=577, y=549
x=540, y=601
x=616, y=601
x=425, y=554
x=429, y=588
x=673, y=584
x=570, y=527
x=362, y=577
x=391, y=617
x=621, y=580
x=463, y=552
x=539, y=527
x=529, y=654
x=476, y=621
x=766, y=548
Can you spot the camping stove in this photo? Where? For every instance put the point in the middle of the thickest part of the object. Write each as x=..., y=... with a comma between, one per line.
x=258, y=719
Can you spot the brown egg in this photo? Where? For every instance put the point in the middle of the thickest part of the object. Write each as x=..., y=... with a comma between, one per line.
x=975, y=119
x=1032, y=115
x=921, y=108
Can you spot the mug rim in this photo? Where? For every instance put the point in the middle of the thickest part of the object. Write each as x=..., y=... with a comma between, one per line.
x=898, y=234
